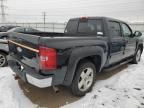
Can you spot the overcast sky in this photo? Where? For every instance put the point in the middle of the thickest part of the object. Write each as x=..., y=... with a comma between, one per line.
x=62, y=10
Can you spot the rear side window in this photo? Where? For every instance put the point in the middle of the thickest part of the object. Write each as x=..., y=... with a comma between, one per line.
x=91, y=27
x=30, y=30
x=71, y=27
x=19, y=30
x=115, y=29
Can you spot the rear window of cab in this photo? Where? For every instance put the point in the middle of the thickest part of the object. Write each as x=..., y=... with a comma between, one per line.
x=85, y=27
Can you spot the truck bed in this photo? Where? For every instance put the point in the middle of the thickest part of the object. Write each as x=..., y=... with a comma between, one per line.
x=25, y=47
x=46, y=34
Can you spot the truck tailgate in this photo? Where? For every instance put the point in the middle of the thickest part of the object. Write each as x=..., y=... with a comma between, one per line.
x=24, y=48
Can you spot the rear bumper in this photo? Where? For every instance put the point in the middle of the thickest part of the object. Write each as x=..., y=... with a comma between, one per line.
x=36, y=77
x=41, y=83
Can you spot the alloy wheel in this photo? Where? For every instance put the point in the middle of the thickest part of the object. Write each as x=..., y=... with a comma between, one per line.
x=2, y=60
x=86, y=79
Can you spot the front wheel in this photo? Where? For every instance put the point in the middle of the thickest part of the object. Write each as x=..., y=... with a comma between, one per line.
x=137, y=56
x=84, y=78
x=3, y=60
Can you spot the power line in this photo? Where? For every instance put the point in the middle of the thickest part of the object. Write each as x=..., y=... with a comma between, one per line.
x=3, y=14
x=88, y=5
x=44, y=19
x=72, y=14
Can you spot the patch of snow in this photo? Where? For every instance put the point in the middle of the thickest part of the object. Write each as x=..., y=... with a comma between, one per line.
x=11, y=96
x=123, y=90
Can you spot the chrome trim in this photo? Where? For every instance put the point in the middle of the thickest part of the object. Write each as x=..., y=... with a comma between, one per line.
x=24, y=46
x=41, y=83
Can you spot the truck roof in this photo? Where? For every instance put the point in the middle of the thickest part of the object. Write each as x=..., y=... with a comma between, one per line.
x=97, y=17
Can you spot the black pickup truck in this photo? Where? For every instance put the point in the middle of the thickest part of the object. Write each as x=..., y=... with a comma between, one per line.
x=88, y=46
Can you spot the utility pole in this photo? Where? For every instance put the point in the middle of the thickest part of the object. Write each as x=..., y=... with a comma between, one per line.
x=44, y=19
x=3, y=14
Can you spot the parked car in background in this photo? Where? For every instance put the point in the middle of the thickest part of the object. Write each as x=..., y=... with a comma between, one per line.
x=6, y=28
x=142, y=35
x=4, y=44
x=23, y=30
x=88, y=46
x=3, y=52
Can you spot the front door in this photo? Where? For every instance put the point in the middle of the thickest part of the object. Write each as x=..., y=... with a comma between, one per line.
x=130, y=41
x=116, y=43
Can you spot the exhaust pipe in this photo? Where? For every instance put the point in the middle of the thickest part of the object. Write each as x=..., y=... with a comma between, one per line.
x=16, y=77
x=56, y=89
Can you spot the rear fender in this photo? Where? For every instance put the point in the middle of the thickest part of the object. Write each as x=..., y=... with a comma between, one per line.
x=77, y=55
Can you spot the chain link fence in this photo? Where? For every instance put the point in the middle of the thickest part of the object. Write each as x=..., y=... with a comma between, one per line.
x=59, y=27
x=137, y=26
x=48, y=27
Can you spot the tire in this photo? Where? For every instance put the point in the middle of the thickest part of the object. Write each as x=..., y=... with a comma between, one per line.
x=84, y=78
x=3, y=59
x=137, y=56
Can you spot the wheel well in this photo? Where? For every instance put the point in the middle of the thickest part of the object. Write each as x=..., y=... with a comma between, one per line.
x=1, y=51
x=96, y=60
x=141, y=47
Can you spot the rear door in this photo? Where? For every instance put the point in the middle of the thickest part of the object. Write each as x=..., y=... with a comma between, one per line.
x=116, y=43
x=130, y=41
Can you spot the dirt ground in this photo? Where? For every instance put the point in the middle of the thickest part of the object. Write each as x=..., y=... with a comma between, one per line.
x=47, y=98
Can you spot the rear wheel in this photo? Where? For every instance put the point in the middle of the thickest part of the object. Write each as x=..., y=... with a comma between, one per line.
x=84, y=78
x=137, y=56
x=3, y=60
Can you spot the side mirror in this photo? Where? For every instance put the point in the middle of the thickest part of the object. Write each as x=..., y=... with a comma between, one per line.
x=137, y=33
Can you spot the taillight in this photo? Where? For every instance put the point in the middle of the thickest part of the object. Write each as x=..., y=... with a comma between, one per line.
x=48, y=59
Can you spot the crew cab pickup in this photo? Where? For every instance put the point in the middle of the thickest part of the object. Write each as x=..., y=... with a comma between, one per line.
x=89, y=45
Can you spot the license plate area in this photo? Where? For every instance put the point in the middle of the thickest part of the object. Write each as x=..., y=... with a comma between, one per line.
x=24, y=56
x=19, y=67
